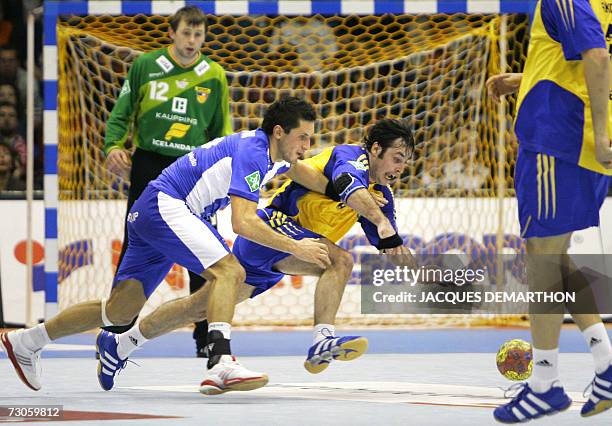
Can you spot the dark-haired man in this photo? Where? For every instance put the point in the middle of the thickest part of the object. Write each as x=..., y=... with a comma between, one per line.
x=354, y=172
x=177, y=99
x=169, y=224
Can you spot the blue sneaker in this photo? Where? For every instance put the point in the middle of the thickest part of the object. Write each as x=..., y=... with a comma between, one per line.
x=528, y=405
x=340, y=348
x=601, y=394
x=109, y=362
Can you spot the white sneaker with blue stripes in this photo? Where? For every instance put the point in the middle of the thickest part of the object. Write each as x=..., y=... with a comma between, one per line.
x=331, y=348
x=25, y=361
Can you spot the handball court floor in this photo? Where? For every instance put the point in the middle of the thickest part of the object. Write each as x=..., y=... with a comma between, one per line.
x=408, y=377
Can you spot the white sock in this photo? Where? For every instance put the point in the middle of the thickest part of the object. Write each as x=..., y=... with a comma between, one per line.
x=223, y=327
x=599, y=342
x=322, y=331
x=130, y=341
x=545, y=369
x=35, y=338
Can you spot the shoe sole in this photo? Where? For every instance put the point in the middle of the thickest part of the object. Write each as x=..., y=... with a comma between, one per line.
x=536, y=418
x=8, y=348
x=315, y=369
x=353, y=349
x=350, y=351
x=600, y=407
x=242, y=385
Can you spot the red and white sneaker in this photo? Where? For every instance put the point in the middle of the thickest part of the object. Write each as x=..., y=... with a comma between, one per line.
x=25, y=361
x=229, y=375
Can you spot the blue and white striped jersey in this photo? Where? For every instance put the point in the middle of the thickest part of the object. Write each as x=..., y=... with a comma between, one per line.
x=238, y=164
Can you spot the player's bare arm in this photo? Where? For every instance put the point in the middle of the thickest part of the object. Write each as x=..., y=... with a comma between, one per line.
x=597, y=75
x=362, y=202
x=245, y=222
x=503, y=84
x=308, y=177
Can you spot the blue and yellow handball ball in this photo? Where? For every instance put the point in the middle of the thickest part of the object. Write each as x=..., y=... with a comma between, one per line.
x=515, y=360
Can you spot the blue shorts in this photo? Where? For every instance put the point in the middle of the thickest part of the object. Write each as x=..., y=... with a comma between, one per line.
x=556, y=197
x=258, y=260
x=163, y=231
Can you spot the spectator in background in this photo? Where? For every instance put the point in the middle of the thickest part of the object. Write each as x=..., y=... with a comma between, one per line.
x=8, y=161
x=11, y=72
x=8, y=94
x=9, y=134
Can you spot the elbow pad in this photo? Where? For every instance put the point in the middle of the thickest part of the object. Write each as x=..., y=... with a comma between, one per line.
x=342, y=183
x=330, y=191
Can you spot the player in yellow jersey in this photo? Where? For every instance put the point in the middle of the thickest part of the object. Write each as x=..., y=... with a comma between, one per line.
x=298, y=213
x=359, y=179
x=563, y=124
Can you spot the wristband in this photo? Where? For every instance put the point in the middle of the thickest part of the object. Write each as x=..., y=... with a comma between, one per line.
x=390, y=242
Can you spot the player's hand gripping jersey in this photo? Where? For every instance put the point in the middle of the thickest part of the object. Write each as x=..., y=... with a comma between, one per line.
x=167, y=224
x=174, y=108
x=299, y=213
x=561, y=31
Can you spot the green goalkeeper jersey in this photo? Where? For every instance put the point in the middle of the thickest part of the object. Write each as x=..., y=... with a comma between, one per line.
x=172, y=108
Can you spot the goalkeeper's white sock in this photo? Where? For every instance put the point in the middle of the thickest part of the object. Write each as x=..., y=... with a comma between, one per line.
x=130, y=341
x=322, y=331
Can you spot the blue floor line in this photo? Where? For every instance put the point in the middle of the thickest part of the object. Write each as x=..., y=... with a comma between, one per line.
x=288, y=343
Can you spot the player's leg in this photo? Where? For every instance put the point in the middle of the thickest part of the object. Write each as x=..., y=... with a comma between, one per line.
x=584, y=312
x=265, y=267
x=200, y=330
x=545, y=273
x=194, y=307
x=193, y=243
x=548, y=217
x=331, y=282
x=326, y=345
x=128, y=297
x=23, y=347
x=544, y=215
x=146, y=166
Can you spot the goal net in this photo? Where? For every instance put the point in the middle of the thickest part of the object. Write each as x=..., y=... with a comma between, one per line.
x=431, y=69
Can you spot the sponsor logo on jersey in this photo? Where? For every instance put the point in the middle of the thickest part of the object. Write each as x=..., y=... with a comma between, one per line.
x=201, y=68
x=177, y=130
x=358, y=165
x=181, y=84
x=179, y=105
x=173, y=145
x=156, y=74
x=131, y=217
x=164, y=63
x=361, y=163
x=253, y=181
x=125, y=89
x=175, y=117
x=202, y=94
